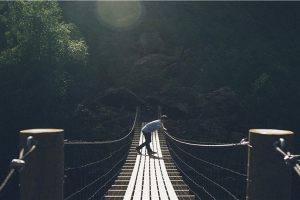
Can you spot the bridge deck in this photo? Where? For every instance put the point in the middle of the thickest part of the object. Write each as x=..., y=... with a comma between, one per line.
x=144, y=177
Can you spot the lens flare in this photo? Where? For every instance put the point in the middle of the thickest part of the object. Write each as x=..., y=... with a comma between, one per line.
x=119, y=14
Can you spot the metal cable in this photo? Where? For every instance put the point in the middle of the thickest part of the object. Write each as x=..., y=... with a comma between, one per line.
x=16, y=164
x=105, y=142
x=86, y=165
x=209, y=162
x=243, y=142
x=99, y=179
x=289, y=159
x=192, y=179
x=202, y=176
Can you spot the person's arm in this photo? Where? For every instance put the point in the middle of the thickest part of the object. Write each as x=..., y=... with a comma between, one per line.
x=162, y=127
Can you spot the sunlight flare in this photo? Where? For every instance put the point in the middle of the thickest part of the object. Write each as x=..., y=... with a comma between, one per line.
x=119, y=14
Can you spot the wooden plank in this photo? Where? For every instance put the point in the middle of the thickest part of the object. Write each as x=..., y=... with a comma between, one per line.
x=160, y=181
x=132, y=180
x=139, y=180
x=146, y=188
x=146, y=191
x=171, y=192
x=149, y=179
x=153, y=183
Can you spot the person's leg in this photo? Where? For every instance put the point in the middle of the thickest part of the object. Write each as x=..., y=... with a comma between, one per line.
x=141, y=146
x=147, y=142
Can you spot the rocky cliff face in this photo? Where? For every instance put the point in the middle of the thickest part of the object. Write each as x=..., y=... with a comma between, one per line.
x=153, y=53
x=215, y=117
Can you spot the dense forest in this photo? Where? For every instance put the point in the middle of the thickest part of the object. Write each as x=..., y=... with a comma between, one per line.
x=58, y=60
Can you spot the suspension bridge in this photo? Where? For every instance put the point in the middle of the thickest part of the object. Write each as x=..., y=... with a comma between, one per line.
x=181, y=169
x=172, y=173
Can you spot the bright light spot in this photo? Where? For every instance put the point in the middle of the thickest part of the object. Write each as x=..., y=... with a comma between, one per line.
x=119, y=14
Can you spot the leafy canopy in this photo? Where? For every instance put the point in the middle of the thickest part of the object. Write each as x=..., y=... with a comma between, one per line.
x=34, y=26
x=44, y=56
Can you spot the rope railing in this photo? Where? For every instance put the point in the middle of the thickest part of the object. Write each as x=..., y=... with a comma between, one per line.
x=95, y=168
x=18, y=164
x=204, y=161
x=99, y=179
x=99, y=161
x=209, y=176
x=104, y=142
x=187, y=142
x=200, y=174
x=290, y=160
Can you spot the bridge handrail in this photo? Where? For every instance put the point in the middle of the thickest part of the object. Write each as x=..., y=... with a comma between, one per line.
x=19, y=163
x=290, y=159
x=241, y=143
x=109, y=141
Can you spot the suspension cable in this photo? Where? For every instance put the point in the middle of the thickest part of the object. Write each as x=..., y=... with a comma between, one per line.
x=193, y=169
x=242, y=142
x=215, y=165
x=19, y=163
x=99, y=179
x=105, y=142
x=93, y=163
x=290, y=160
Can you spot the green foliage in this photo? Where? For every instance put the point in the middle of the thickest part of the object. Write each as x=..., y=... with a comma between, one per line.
x=263, y=87
x=227, y=46
x=36, y=25
x=273, y=100
x=95, y=122
x=44, y=57
x=174, y=93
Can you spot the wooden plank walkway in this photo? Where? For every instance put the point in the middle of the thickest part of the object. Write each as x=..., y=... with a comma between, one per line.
x=144, y=177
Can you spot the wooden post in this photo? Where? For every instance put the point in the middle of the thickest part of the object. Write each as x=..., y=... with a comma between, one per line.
x=42, y=176
x=159, y=111
x=269, y=178
x=138, y=111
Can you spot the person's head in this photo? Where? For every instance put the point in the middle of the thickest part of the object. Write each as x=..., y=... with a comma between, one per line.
x=164, y=118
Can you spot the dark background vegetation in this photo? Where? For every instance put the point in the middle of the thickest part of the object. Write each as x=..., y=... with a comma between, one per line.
x=52, y=74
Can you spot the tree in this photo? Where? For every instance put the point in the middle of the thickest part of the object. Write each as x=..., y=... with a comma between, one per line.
x=42, y=59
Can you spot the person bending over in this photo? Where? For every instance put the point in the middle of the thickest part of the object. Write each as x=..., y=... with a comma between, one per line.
x=148, y=129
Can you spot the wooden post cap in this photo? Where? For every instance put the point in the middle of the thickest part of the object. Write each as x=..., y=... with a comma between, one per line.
x=41, y=130
x=271, y=131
